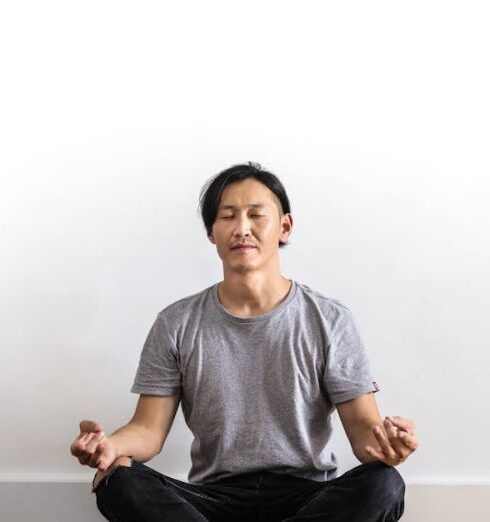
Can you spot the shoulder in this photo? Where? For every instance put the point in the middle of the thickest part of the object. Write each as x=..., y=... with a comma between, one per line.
x=178, y=311
x=331, y=308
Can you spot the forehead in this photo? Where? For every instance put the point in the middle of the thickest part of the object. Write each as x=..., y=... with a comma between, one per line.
x=248, y=193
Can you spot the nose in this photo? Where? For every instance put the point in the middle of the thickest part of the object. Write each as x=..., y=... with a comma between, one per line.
x=242, y=227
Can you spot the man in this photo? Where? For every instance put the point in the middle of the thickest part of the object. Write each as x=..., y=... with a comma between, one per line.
x=260, y=362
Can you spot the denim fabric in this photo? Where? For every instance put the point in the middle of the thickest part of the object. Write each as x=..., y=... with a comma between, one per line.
x=371, y=492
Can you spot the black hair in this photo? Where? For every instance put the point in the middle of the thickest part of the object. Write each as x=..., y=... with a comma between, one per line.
x=211, y=191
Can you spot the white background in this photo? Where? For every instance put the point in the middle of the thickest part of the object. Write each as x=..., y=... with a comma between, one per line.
x=375, y=115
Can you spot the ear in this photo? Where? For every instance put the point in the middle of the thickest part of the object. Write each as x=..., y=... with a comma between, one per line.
x=286, y=227
x=211, y=238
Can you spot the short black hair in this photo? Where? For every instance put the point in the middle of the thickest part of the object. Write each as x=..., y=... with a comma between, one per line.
x=213, y=188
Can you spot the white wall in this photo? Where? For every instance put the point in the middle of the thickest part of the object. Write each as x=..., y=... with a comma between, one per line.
x=113, y=114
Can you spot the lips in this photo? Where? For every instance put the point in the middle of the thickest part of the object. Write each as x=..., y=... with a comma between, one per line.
x=242, y=246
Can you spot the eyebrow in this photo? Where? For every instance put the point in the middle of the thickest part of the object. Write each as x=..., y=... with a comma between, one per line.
x=253, y=205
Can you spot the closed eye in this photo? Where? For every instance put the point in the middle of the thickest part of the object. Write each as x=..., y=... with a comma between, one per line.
x=252, y=215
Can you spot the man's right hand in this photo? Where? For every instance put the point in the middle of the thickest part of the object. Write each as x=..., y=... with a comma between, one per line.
x=92, y=447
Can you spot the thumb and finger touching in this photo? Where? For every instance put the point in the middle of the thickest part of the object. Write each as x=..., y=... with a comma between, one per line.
x=402, y=423
x=79, y=446
x=99, y=454
x=88, y=429
x=395, y=445
x=399, y=440
x=88, y=426
x=86, y=446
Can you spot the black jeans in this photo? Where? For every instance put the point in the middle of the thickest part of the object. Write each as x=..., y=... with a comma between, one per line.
x=371, y=492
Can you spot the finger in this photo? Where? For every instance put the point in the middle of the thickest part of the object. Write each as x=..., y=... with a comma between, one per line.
x=402, y=423
x=393, y=460
x=100, y=460
x=78, y=447
x=93, y=460
x=409, y=440
x=96, y=457
x=376, y=454
x=75, y=449
x=403, y=442
x=390, y=428
x=103, y=461
x=94, y=442
x=84, y=439
x=89, y=426
x=385, y=444
x=87, y=441
x=404, y=454
x=84, y=449
x=395, y=442
x=390, y=461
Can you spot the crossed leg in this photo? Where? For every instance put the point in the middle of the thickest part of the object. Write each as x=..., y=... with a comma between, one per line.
x=120, y=461
x=371, y=492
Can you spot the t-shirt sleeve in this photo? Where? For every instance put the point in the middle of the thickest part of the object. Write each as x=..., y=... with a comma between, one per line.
x=158, y=371
x=347, y=370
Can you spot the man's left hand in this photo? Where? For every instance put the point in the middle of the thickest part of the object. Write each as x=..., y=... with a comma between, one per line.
x=401, y=441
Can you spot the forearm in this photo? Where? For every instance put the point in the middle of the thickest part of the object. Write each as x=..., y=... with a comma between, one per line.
x=135, y=440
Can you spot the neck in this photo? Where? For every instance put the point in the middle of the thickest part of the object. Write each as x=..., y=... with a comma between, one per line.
x=253, y=294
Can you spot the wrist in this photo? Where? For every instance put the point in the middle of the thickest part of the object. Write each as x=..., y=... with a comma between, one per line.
x=116, y=446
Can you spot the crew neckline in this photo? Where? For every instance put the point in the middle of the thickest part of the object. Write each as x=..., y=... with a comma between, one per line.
x=254, y=318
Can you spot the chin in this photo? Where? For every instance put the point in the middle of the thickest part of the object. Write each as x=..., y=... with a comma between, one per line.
x=242, y=266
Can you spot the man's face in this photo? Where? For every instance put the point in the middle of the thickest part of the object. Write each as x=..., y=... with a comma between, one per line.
x=238, y=222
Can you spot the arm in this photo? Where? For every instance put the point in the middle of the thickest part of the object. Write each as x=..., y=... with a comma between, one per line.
x=359, y=416
x=144, y=435
x=395, y=440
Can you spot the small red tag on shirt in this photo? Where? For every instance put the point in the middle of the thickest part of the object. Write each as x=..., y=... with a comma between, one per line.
x=376, y=387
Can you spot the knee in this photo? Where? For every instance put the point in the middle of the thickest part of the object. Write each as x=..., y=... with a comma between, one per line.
x=120, y=461
x=385, y=484
x=100, y=475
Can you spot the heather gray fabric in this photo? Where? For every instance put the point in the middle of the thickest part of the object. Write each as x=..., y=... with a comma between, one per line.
x=257, y=392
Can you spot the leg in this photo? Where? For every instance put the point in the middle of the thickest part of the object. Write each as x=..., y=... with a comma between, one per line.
x=137, y=493
x=371, y=492
x=120, y=461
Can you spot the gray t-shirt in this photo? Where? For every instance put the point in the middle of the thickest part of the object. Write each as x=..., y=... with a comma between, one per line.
x=257, y=392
